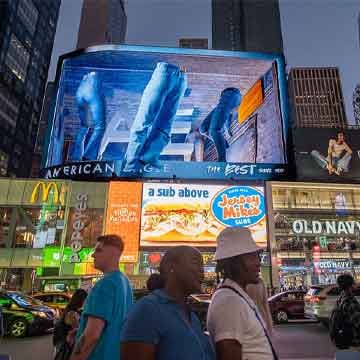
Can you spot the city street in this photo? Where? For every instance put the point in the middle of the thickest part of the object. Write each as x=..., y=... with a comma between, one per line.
x=293, y=341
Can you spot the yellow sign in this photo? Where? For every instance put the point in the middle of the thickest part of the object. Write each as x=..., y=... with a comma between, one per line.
x=44, y=188
x=250, y=102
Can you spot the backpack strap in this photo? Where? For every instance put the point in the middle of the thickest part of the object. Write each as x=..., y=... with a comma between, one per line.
x=257, y=316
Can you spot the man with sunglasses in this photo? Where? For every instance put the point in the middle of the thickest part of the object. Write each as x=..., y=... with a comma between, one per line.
x=98, y=336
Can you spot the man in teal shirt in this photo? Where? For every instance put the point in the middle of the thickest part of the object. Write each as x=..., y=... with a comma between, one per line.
x=98, y=336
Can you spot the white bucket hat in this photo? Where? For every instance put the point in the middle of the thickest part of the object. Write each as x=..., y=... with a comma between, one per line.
x=233, y=241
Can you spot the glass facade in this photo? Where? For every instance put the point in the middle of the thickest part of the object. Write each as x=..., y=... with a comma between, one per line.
x=17, y=58
x=315, y=233
x=28, y=14
x=39, y=221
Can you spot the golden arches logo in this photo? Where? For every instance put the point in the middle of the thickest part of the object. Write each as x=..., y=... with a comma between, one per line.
x=44, y=189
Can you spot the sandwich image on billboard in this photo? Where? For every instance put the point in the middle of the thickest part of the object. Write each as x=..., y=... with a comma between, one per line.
x=174, y=214
x=328, y=154
x=138, y=111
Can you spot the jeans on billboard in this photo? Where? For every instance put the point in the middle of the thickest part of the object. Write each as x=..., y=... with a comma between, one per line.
x=90, y=101
x=219, y=119
x=150, y=131
x=341, y=163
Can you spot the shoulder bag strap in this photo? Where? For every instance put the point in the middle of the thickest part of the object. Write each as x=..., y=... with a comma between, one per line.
x=257, y=316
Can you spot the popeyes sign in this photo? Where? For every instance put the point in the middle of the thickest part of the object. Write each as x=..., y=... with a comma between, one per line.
x=48, y=191
x=242, y=206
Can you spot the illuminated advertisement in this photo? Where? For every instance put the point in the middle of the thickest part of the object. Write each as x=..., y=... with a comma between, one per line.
x=123, y=216
x=327, y=154
x=193, y=214
x=127, y=111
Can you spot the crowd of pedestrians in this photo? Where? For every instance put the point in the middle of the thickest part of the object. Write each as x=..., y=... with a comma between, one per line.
x=161, y=325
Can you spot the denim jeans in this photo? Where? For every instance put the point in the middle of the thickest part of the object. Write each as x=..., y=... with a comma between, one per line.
x=150, y=131
x=90, y=101
x=220, y=118
x=337, y=162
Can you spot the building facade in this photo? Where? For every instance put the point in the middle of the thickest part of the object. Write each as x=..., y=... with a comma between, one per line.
x=102, y=22
x=314, y=232
x=49, y=97
x=27, y=31
x=316, y=98
x=247, y=25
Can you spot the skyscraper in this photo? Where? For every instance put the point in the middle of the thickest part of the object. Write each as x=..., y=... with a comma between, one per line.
x=316, y=97
x=246, y=25
x=27, y=30
x=356, y=104
x=102, y=22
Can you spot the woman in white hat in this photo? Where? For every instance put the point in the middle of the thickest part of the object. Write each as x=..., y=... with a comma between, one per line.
x=234, y=322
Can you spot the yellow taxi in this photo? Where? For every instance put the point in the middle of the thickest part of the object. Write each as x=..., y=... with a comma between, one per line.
x=55, y=300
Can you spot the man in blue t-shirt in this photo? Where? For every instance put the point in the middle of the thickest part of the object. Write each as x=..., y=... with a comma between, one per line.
x=98, y=336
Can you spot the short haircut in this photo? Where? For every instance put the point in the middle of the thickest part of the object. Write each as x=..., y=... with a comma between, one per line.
x=112, y=240
x=345, y=281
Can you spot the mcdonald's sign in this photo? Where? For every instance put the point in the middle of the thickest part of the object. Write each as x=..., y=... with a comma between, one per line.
x=44, y=189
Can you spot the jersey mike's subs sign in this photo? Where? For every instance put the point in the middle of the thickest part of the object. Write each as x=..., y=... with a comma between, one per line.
x=194, y=214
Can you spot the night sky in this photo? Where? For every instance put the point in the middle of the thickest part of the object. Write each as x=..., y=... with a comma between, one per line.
x=315, y=32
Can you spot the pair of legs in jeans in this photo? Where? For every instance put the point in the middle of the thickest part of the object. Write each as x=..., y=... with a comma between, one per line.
x=150, y=131
x=340, y=164
x=219, y=120
x=91, y=105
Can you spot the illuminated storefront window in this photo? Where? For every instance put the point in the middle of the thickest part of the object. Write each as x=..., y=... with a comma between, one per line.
x=316, y=233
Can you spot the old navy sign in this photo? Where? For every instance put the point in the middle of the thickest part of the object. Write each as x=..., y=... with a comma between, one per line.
x=326, y=227
x=242, y=206
x=168, y=170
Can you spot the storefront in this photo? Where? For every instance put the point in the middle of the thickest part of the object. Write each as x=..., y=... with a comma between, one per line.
x=314, y=232
x=48, y=228
x=43, y=224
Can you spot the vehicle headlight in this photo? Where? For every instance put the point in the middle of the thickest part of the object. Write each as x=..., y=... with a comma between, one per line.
x=40, y=314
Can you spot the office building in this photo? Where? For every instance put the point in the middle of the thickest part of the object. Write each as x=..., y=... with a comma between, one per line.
x=246, y=25
x=27, y=30
x=356, y=104
x=102, y=22
x=49, y=98
x=316, y=98
x=194, y=43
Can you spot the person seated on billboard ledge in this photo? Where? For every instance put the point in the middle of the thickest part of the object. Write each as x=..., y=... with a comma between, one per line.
x=161, y=326
x=339, y=156
x=220, y=119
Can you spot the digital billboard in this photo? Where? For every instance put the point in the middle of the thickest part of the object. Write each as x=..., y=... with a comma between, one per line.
x=327, y=154
x=127, y=111
x=193, y=214
x=123, y=216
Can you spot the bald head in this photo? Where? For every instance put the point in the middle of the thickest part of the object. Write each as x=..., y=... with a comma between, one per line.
x=182, y=267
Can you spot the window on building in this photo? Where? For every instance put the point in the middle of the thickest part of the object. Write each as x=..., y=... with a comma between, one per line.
x=17, y=58
x=4, y=160
x=31, y=227
x=28, y=14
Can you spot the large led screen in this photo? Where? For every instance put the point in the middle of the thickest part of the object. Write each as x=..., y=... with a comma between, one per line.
x=328, y=154
x=193, y=214
x=156, y=112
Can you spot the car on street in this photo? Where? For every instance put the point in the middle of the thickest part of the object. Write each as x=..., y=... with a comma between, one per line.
x=320, y=300
x=24, y=315
x=56, y=300
x=287, y=305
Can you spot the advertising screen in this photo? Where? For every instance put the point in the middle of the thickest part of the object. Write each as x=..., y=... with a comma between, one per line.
x=327, y=154
x=193, y=214
x=128, y=111
x=123, y=216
